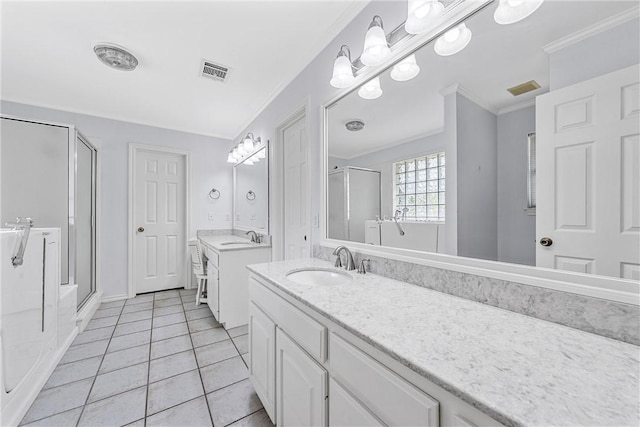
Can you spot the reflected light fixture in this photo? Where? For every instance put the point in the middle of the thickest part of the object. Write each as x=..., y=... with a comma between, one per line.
x=371, y=89
x=406, y=69
x=247, y=143
x=512, y=11
x=231, y=158
x=343, y=69
x=421, y=14
x=115, y=56
x=453, y=41
x=248, y=162
x=262, y=154
x=376, y=48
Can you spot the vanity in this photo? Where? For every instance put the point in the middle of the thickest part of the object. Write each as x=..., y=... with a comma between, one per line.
x=340, y=348
x=227, y=256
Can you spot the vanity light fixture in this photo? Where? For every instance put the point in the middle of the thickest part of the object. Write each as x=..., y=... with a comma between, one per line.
x=453, y=41
x=371, y=89
x=248, y=162
x=512, y=11
x=406, y=69
x=231, y=158
x=376, y=48
x=247, y=143
x=343, y=69
x=261, y=154
x=421, y=14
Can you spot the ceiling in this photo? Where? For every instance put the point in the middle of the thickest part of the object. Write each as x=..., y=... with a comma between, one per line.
x=47, y=57
x=498, y=57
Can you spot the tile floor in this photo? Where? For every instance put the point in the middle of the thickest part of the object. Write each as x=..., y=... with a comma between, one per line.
x=156, y=360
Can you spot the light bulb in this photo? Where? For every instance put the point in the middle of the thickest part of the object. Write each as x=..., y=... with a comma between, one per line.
x=230, y=157
x=248, y=162
x=512, y=11
x=262, y=153
x=376, y=49
x=406, y=69
x=371, y=89
x=247, y=144
x=422, y=14
x=342, y=70
x=453, y=41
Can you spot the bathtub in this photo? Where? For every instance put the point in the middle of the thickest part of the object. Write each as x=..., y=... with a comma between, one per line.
x=31, y=341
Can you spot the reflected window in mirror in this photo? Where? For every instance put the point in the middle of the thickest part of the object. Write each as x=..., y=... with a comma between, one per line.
x=419, y=188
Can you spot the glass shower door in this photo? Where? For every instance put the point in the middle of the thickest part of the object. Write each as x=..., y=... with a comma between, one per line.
x=85, y=207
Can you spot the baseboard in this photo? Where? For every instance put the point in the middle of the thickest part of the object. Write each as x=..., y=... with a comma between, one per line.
x=88, y=310
x=115, y=298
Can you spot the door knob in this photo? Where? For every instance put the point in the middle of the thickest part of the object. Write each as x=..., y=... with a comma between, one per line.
x=546, y=241
x=140, y=229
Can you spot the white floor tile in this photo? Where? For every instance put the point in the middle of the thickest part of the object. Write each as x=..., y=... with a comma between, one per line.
x=167, y=302
x=163, y=311
x=257, y=419
x=169, y=319
x=128, y=341
x=240, y=330
x=75, y=371
x=172, y=365
x=116, y=382
x=115, y=411
x=138, y=307
x=169, y=331
x=59, y=399
x=170, y=346
x=163, y=394
x=130, y=328
x=209, y=336
x=233, y=403
x=94, y=335
x=102, y=323
x=123, y=358
x=202, y=324
x=69, y=418
x=216, y=352
x=223, y=373
x=85, y=351
x=192, y=413
x=135, y=316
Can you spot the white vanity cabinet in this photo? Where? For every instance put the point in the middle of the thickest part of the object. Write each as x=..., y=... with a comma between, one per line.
x=307, y=370
x=301, y=385
x=227, y=278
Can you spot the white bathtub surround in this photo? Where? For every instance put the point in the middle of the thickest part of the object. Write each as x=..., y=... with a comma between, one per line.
x=599, y=316
x=516, y=369
x=37, y=319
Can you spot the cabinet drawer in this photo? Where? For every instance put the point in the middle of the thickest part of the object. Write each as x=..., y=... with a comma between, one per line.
x=308, y=333
x=392, y=399
x=346, y=411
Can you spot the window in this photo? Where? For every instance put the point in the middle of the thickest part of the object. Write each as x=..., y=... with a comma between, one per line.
x=419, y=187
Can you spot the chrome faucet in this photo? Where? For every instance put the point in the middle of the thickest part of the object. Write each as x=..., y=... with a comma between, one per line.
x=24, y=225
x=351, y=265
x=254, y=236
x=363, y=267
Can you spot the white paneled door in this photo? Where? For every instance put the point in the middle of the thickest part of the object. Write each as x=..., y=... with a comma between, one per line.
x=588, y=181
x=297, y=242
x=159, y=218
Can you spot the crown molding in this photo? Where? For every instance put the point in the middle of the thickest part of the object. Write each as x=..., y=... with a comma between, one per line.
x=592, y=30
x=511, y=108
x=458, y=88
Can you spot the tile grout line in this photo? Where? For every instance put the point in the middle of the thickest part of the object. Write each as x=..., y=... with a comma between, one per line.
x=97, y=372
x=204, y=390
x=146, y=398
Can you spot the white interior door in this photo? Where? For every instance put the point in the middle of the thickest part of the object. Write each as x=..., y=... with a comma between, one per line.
x=588, y=181
x=296, y=198
x=159, y=218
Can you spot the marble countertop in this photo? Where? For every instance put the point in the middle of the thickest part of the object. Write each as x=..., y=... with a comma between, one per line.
x=217, y=243
x=519, y=370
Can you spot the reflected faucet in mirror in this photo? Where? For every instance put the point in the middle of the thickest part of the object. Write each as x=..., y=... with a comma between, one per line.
x=255, y=237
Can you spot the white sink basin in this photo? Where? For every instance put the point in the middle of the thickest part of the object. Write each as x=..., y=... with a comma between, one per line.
x=236, y=243
x=318, y=276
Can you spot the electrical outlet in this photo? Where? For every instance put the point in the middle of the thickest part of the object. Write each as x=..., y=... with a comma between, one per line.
x=211, y=216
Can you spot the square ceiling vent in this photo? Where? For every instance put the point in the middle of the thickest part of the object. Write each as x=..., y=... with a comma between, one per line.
x=213, y=71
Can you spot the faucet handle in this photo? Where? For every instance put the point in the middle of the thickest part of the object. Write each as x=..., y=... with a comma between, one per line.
x=363, y=268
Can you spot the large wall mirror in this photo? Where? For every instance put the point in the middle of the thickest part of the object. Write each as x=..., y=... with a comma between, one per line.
x=251, y=192
x=450, y=161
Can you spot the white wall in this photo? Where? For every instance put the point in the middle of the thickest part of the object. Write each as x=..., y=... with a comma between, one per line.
x=208, y=169
x=602, y=53
x=477, y=180
x=516, y=229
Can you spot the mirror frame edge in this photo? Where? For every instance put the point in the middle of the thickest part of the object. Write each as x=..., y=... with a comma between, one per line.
x=603, y=287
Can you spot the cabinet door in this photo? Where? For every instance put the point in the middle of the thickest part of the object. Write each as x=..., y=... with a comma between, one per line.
x=262, y=353
x=345, y=410
x=301, y=386
x=213, y=295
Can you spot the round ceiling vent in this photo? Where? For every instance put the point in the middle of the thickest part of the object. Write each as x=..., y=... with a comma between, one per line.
x=115, y=57
x=354, y=125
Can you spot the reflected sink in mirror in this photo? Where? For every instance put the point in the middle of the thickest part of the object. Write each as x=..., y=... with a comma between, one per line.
x=318, y=276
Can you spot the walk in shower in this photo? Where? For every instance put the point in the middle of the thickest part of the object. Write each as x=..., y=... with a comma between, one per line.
x=48, y=173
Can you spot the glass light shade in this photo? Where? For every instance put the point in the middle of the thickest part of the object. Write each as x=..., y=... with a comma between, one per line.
x=512, y=11
x=421, y=15
x=453, y=41
x=230, y=157
x=406, y=69
x=262, y=153
x=236, y=154
x=376, y=49
x=342, y=72
x=371, y=89
x=247, y=145
x=248, y=162
x=241, y=150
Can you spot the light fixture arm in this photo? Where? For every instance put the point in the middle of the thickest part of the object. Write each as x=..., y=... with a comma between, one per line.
x=376, y=22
